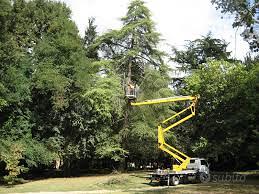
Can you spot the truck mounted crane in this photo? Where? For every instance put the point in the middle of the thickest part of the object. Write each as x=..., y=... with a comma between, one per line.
x=188, y=168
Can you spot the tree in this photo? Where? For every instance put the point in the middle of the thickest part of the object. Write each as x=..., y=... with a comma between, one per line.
x=140, y=139
x=55, y=102
x=20, y=148
x=136, y=58
x=226, y=114
x=246, y=15
x=134, y=46
x=199, y=51
x=89, y=38
x=58, y=86
x=73, y=101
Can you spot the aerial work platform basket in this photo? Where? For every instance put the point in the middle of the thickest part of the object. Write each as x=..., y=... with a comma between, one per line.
x=131, y=91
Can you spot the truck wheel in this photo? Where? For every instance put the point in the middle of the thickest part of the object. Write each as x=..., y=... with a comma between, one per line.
x=175, y=180
x=203, y=177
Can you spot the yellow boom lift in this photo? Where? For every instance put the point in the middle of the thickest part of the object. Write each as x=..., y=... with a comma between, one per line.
x=188, y=168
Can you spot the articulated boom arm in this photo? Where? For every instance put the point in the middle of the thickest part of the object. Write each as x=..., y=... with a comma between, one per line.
x=183, y=159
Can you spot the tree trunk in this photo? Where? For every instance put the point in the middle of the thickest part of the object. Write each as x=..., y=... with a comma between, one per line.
x=67, y=167
x=127, y=109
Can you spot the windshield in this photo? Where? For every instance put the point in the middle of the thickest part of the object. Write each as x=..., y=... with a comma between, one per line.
x=204, y=162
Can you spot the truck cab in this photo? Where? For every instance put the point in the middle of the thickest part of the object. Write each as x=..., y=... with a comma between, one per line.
x=199, y=164
x=197, y=170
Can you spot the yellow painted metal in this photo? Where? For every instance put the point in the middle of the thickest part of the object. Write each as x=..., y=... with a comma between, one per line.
x=164, y=100
x=183, y=158
x=179, y=122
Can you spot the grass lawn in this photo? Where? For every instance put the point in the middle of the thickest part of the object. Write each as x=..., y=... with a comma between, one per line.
x=128, y=183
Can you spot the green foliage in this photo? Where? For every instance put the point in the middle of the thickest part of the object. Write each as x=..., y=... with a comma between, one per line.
x=227, y=110
x=90, y=37
x=200, y=146
x=60, y=101
x=37, y=77
x=17, y=126
x=3, y=103
x=246, y=15
x=11, y=153
x=110, y=148
x=140, y=139
x=105, y=102
x=36, y=153
x=134, y=46
x=49, y=79
x=135, y=56
x=199, y=51
x=216, y=81
x=31, y=151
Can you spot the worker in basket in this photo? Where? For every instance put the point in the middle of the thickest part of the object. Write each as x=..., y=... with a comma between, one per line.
x=131, y=89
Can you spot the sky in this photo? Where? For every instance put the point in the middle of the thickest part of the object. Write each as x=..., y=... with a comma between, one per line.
x=176, y=20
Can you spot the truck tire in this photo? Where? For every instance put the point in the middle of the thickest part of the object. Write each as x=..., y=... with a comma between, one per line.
x=203, y=177
x=175, y=180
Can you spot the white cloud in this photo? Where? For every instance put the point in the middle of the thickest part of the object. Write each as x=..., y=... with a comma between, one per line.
x=176, y=20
